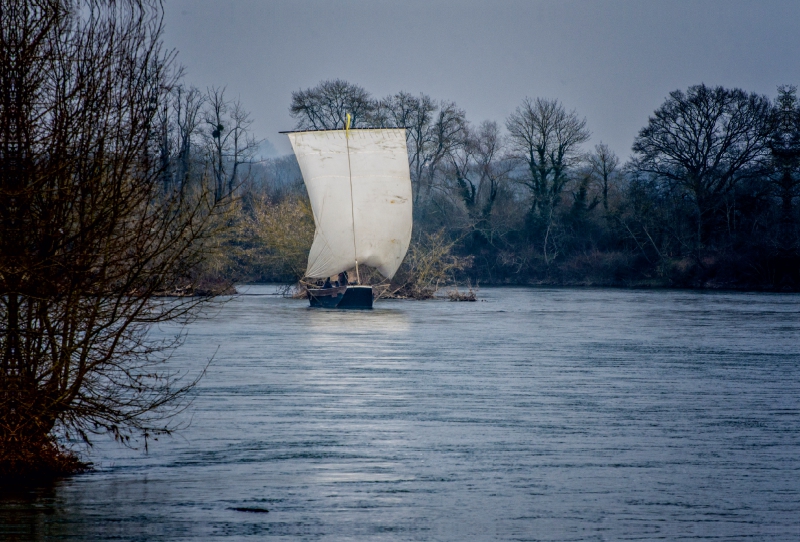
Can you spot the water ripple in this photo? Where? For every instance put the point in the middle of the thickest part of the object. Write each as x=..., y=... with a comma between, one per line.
x=539, y=414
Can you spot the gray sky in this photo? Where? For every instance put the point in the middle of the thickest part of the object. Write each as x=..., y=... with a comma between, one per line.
x=614, y=62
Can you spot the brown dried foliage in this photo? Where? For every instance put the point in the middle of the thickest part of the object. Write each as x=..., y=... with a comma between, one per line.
x=429, y=265
x=279, y=235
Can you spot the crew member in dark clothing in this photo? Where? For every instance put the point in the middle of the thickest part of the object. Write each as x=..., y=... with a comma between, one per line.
x=343, y=278
x=327, y=283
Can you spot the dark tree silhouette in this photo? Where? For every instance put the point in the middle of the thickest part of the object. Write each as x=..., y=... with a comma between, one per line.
x=604, y=164
x=230, y=145
x=480, y=170
x=784, y=144
x=704, y=141
x=325, y=107
x=88, y=235
x=546, y=139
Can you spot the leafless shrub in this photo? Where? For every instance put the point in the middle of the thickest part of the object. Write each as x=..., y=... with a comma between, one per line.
x=429, y=264
x=456, y=295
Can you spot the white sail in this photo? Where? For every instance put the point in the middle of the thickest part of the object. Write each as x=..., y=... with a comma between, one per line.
x=360, y=191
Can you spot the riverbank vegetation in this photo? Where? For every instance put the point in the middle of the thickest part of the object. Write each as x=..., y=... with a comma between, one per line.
x=707, y=200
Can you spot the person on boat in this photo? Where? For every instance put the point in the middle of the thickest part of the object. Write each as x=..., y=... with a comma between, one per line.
x=327, y=283
x=342, y=278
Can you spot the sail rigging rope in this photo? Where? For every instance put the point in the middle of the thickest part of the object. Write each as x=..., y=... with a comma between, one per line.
x=352, y=205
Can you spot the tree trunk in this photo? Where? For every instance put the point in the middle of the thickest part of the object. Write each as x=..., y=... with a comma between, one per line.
x=787, y=230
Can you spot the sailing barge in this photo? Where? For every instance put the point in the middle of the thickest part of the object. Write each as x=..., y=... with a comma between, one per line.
x=360, y=190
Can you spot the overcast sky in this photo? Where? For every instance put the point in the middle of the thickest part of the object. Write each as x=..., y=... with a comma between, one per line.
x=614, y=62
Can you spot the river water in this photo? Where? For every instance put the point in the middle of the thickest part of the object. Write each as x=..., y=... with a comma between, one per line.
x=533, y=414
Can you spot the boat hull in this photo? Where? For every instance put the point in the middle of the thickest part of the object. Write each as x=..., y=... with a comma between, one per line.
x=342, y=297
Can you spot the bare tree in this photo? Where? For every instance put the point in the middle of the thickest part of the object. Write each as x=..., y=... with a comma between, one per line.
x=704, y=141
x=445, y=133
x=187, y=104
x=491, y=164
x=546, y=139
x=480, y=168
x=604, y=164
x=325, y=107
x=230, y=143
x=177, y=126
x=88, y=236
x=784, y=145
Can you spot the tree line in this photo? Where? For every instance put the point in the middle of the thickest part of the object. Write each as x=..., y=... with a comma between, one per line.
x=708, y=198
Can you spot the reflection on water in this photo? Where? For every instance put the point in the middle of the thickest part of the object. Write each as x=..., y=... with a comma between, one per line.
x=535, y=414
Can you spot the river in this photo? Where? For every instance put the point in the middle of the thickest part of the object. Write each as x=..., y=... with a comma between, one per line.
x=532, y=414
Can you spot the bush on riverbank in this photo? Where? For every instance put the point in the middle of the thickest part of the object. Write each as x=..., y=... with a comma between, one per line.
x=42, y=459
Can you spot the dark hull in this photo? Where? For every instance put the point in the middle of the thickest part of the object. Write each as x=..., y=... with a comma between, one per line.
x=343, y=297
